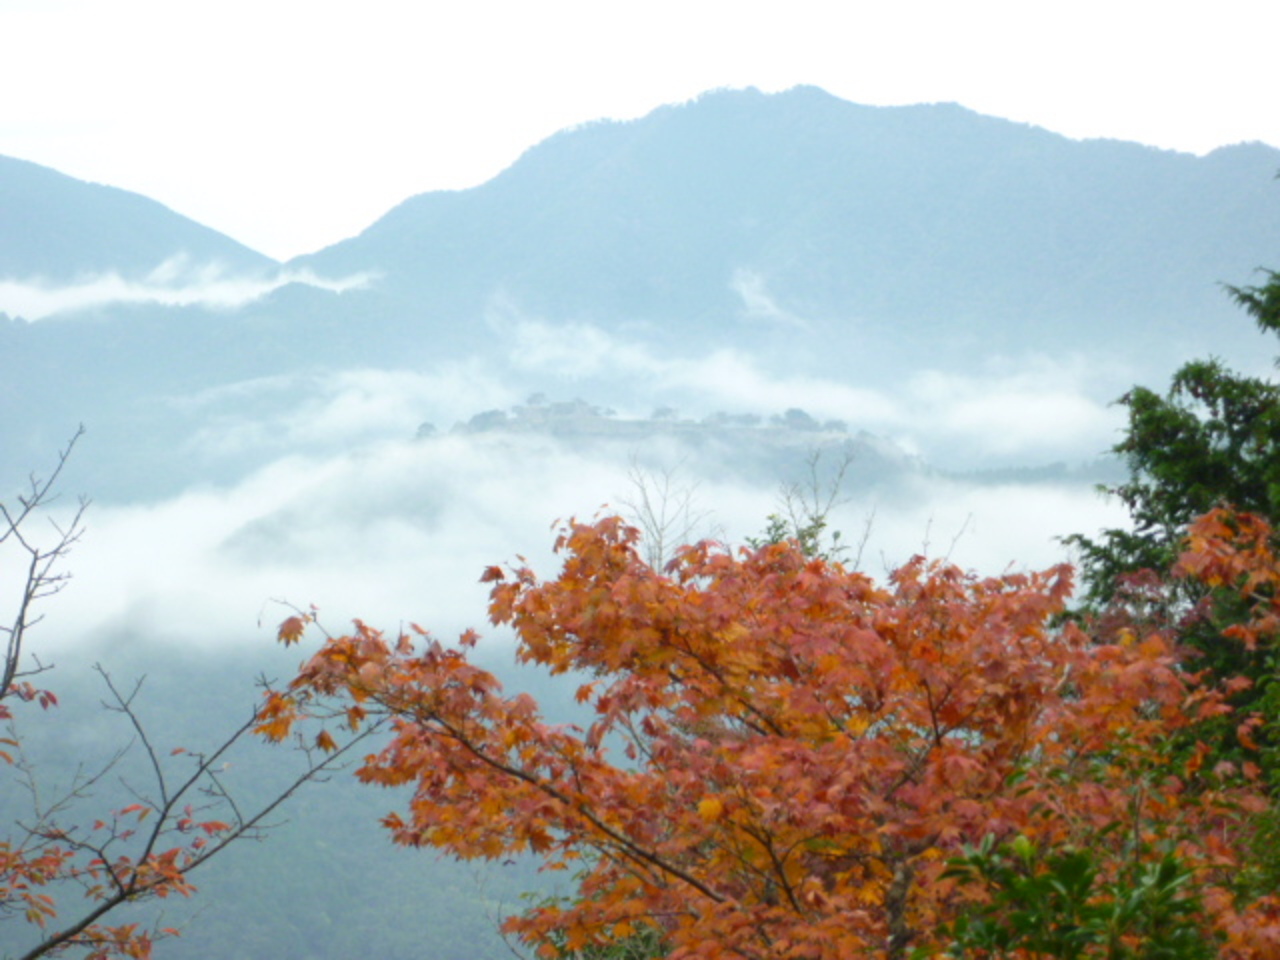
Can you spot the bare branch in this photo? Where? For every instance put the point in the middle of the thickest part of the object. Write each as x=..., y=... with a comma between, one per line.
x=664, y=507
x=43, y=577
x=805, y=508
x=183, y=813
x=147, y=870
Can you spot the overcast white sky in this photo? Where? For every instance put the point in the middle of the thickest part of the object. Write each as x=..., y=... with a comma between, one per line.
x=291, y=125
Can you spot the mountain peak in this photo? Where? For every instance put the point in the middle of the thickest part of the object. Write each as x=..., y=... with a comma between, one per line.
x=698, y=215
x=58, y=228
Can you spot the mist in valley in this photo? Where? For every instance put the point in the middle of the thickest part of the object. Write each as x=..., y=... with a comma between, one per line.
x=382, y=494
x=931, y=350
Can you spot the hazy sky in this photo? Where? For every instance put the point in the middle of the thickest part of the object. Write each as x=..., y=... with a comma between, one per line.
x=290, y=125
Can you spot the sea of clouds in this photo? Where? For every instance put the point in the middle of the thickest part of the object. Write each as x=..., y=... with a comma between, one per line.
x=334, y=503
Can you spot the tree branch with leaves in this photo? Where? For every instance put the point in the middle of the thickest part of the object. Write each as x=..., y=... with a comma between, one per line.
x=67, y=873
x=784, y=754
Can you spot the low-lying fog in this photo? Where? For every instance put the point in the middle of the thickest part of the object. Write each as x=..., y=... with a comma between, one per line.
x=382, y=494
x=334, y=498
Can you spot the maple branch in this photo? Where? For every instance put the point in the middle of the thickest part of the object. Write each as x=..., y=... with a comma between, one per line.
x=779, y=873
x=739, y=697
x=747, y=799
x=78, y=789
x=624, y=845
x=150, y=872
x=71, y=935
x=637, y=737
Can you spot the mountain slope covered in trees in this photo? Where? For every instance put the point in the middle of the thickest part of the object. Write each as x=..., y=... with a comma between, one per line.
x=58, y=228
x=742, y=211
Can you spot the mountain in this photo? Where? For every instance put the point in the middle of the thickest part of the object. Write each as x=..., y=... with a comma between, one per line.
x=813, y=236
x=898, y=285
x=57, y=228
x=743, y=210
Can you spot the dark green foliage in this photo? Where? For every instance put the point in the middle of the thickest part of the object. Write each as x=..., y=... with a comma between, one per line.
x=1263, y=302
x=807, y=533
x=1212, y=439
x=806, y=507
x=1057, y=905
x=645, y=944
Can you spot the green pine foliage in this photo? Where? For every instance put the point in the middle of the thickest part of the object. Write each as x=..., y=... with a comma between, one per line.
x=1212, y=439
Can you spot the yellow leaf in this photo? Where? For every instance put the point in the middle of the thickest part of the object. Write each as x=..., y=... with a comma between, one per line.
x=710, y=809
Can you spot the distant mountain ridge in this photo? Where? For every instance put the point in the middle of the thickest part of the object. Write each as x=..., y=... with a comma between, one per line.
x=800, y=207
x=809, y=236
x=58, y=228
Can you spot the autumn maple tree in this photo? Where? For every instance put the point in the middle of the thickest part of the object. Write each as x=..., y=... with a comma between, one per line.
x=68, y=867
x=788, y=759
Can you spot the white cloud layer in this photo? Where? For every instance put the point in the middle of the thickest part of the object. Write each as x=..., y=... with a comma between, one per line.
x=758, y=304
x=176, y=282
x=1013, y=410
x=399, y=531
x=1034, y=410
x=332, y=412
x=336, y=505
